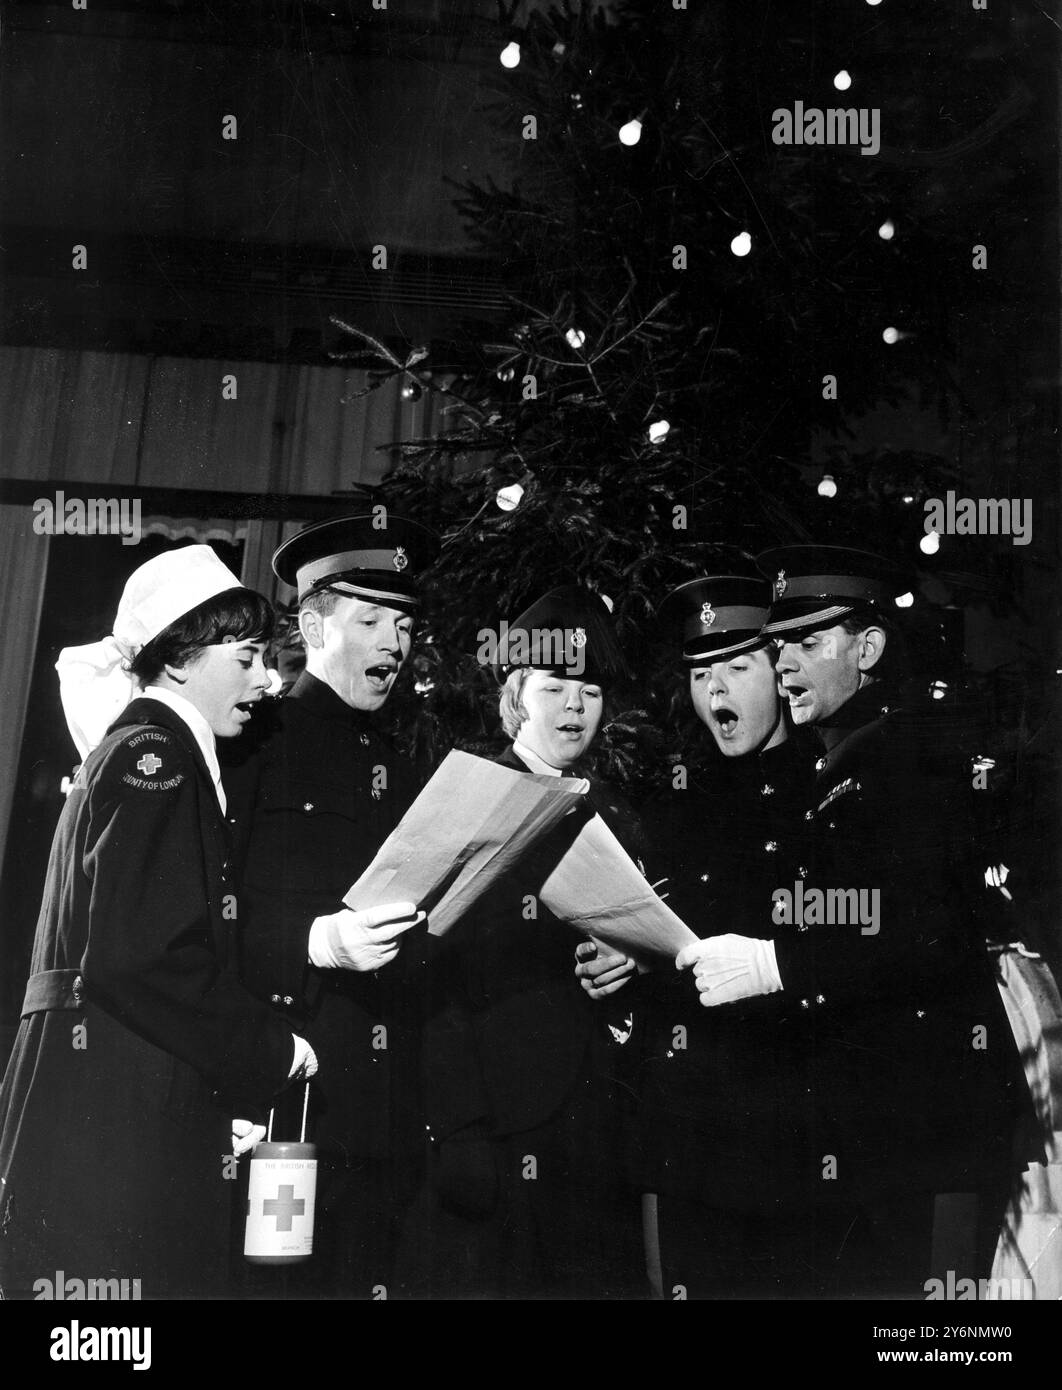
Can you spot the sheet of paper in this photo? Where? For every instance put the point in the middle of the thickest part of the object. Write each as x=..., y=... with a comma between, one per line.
x=467, y=828
x=597, y=888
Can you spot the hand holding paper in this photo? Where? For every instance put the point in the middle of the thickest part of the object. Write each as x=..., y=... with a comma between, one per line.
x=365, y=940
x=600, y=971
x=730, y=967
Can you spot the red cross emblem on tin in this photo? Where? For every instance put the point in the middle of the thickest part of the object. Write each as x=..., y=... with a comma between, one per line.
x=149, y=764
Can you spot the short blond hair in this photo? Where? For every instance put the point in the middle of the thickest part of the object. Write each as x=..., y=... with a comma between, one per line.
x=510, y=706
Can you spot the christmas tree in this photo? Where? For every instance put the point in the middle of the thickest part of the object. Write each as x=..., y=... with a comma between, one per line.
x=694, y=297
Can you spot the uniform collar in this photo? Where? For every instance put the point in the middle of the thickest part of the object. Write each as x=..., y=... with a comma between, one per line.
x=865, y=707
x=533, y=762
x=320, y=699
x=198, y=727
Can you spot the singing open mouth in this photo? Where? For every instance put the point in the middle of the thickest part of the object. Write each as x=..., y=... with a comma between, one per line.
x=382, y=674
x=727, y=720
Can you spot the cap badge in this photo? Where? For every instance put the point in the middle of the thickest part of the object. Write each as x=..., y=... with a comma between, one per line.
x=780, y=584
x=707, y=614
x=401, y=559
x=579, y=638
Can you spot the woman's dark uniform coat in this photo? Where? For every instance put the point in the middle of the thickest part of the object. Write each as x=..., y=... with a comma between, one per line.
x=138, y=1046
x=528, y=1194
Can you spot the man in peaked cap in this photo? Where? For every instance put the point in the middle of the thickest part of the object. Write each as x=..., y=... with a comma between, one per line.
x=729, y=829
x=520, y=1065
x=911, y=1066
x=321, y=792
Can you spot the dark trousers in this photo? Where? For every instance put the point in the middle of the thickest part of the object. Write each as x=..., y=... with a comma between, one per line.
x=556, y=1217
x=877, y=1250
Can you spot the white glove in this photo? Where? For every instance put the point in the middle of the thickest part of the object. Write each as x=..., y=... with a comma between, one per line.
x=365, y=940
x=245, y=1135
x=730, y=967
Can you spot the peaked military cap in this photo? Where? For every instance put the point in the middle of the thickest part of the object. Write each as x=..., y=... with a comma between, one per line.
x=374, y=556
x=569, y=633
x=717, y=616
x=817, y=585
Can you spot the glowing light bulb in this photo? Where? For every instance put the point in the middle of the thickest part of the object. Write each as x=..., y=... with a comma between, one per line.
x=630, y=133
x=887, y=230
x=827, y=487
x=575, y=337
x=509, y=498
x=658, y=431
x=930, y=543
x=742, y=244
x=905, y=600
x=509, y=57
x=843, y=80
x=891, y=335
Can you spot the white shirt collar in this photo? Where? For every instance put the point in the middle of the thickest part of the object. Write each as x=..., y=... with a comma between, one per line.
x=534, y=762
x=199, y=729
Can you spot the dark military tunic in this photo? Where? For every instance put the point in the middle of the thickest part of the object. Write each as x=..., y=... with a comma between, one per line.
x=138, y=1045
x=912, y=1061
x=321, y=791
x=717, y=1084
x=527, y=1194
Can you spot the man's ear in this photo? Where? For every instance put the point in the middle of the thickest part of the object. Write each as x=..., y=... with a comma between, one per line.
x=871, y=647
x=311, y=627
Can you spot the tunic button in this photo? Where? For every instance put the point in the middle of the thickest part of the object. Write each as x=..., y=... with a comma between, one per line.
x=766, y=789
x=804, y=1004
x=704, y=878
x=802, y=872
x=274, y=998
x=920, y=1013
x=365, y=740
x=820, y=999
x=376, y=793
x=820, y=763
x=802, y=926
x=307, y=805
x=770, y=846
x=288, y=1000
x=809, y=815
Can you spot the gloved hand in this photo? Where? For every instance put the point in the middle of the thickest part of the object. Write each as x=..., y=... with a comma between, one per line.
x=730, y=967
x=245, y=1135
x=364, y=940
x=468, y=1173
x=602, y=971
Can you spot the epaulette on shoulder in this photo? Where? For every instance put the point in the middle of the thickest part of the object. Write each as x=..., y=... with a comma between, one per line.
x=145, y=758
